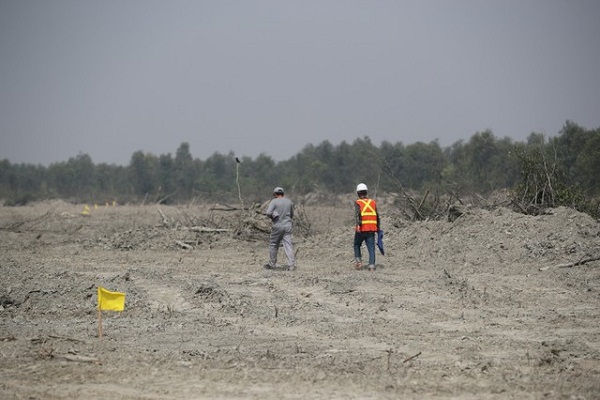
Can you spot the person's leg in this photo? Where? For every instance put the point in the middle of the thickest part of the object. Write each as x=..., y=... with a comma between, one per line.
x=288, y=247
x=358, y=239
x=274, y=241
x=370, y=242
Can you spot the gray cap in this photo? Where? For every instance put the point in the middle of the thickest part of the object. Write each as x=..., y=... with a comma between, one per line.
x=278, y=190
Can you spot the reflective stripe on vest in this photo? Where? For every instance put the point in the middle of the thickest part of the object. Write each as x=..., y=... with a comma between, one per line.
x=368, y=215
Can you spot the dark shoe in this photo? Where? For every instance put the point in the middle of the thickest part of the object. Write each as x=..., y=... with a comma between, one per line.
x=291, y=268
x=267, y=266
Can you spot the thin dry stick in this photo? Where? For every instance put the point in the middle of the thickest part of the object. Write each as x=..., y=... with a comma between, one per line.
x=389, y=356
x=573, y=264
x=99, y=323
x=377, y=187
x=412, y=357
x=77, y=358
x=237, y=181
x=66, y=338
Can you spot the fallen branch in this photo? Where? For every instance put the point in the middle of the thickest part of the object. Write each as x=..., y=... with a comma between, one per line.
x=205, y=229
x=78, y=358
x=164, y=218
x=162, y=200
x=573, y=264
x=224, y=207
x=412, y=357
x=342, y=291
x=34, y=221
x=183, y=245
x=12, y=227
x=66, y=338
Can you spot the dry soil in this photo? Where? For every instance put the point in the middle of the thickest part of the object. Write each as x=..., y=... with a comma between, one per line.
x=479, y=308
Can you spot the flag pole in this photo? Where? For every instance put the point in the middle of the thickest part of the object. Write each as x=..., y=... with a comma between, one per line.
x=108, y=300
x=99, y=323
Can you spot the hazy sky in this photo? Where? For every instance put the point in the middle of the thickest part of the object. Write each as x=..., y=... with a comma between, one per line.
x=108, y=78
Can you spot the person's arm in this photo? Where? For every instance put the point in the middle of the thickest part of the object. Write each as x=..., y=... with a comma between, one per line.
x=357, y=218
x=270, y=209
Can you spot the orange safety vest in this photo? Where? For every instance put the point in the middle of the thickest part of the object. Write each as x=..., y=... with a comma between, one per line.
x=368, y=215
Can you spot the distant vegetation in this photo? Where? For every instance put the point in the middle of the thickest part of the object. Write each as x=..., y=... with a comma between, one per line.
x=542, y=172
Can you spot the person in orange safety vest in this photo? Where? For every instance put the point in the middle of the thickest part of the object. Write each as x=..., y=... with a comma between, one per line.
x=366, y=226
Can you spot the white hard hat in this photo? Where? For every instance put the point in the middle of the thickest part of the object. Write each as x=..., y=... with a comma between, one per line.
x=361, y=187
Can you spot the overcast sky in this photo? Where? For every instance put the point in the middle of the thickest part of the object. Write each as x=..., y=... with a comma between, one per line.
x=108, y=78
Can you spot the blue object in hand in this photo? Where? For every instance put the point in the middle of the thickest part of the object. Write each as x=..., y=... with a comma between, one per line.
x=380, y=241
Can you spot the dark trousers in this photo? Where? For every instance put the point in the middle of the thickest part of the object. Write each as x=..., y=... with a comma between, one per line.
x=369, y=239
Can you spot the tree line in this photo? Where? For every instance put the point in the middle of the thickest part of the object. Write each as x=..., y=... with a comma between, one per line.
x=482, y=164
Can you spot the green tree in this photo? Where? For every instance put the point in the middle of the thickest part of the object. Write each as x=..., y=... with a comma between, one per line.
x=366, y=159
x=392, y=161
x=258, y=176
x=74, y=179
x=183, y=170
x=218, y=175
x=142, y=173
x=483, y=164
x=111, y=183
x=543, y=182
x=578, y=150
x=166, y=172
x=23, y=182
x=424, y=164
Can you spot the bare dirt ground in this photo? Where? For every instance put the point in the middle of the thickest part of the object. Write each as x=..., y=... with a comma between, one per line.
x=455, y=310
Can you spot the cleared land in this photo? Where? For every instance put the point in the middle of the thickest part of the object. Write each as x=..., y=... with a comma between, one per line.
x=455, y=310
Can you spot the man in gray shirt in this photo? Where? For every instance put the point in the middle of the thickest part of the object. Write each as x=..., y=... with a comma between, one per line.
x=281, y=212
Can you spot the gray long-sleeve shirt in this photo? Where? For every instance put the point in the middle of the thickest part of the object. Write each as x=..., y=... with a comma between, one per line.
x=281, y=211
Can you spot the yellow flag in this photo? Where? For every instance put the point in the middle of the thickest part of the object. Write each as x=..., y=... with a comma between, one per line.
x=113, y=301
